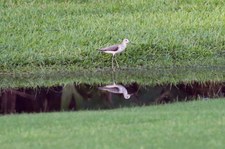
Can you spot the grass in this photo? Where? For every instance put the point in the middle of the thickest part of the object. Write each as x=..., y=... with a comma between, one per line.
x=63, y=33
x=152, y=77
x=45, y=36
x=196, y=124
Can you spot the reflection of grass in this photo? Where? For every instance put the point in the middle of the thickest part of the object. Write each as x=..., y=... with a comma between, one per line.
x=56, y=33
x=198, y=124
x=153, y=76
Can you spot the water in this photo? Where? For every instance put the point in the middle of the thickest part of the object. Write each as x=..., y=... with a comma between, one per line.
x=72, y=91
x=82, y=96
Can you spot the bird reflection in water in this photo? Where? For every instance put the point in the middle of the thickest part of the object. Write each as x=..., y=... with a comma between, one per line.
x=117, y=89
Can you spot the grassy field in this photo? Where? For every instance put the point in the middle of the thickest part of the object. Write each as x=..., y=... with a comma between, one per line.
x=48, y=36
x=64, y=34
x=197, y=124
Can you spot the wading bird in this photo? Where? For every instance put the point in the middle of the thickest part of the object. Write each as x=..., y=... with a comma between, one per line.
x=114, y=49
x=117, y=89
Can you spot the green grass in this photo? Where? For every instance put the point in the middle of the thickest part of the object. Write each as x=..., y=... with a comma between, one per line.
x=150, y=77
x=54, y=34
x=196, y=124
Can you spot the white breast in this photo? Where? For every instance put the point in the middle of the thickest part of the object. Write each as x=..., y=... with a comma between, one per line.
x=121, y=48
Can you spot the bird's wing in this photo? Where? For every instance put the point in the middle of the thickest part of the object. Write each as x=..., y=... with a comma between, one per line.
x=110, y=48
x=110, y=89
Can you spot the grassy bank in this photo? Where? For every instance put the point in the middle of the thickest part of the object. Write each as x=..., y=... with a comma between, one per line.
x=59, y=33
x=152, y=77
x=198, y=124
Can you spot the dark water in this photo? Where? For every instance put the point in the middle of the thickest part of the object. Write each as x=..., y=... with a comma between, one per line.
x=75, y=96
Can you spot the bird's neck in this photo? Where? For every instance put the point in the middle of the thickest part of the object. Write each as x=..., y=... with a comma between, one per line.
x=125, y=92
x=124, y=44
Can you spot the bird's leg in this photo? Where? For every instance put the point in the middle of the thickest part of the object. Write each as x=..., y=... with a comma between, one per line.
x=112, y=62
x=117, y=63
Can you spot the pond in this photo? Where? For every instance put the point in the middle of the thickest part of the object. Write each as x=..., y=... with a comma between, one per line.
x=72, y=91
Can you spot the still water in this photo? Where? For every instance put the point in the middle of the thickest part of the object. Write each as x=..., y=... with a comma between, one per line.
x=79, y=96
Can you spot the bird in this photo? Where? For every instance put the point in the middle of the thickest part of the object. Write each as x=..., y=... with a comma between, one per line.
x=114, y=49
x=117, y=89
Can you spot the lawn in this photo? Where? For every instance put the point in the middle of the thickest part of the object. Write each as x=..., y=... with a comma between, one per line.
x=196, y=124
x=52, y=38
x=65, y=34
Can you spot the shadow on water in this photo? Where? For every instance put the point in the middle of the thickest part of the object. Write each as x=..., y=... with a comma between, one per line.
x=101, y=95
x=85, y=96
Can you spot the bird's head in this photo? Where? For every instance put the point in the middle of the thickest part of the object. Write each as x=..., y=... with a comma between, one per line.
x=126, y=41
x=127, y=96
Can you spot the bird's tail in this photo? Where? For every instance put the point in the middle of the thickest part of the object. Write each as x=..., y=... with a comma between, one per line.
x=101, y=50
x=102, y=88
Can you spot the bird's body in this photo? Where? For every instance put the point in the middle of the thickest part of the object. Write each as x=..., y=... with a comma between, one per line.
x=117, y=89
x=114, y=49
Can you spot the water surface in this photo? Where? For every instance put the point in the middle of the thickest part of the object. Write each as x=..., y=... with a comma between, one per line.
x=107, y=90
